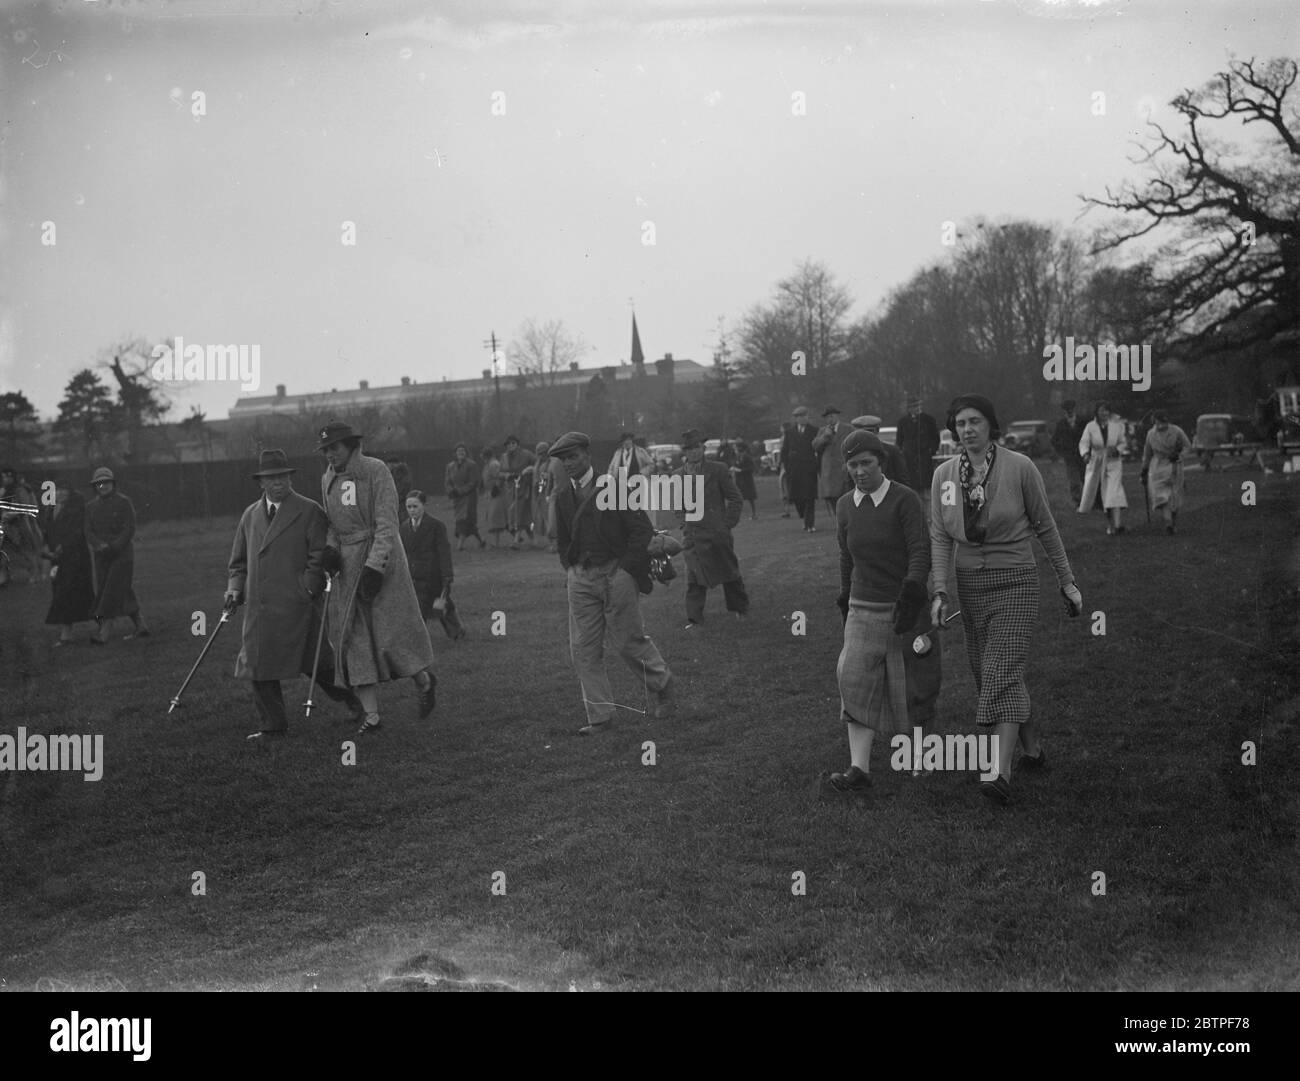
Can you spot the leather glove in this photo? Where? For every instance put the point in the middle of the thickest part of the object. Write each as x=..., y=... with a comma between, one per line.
x=842, y=602
x=231, y=600
x=909, y=606
x=369, y=586
x=1073, y=601
x=331, y=561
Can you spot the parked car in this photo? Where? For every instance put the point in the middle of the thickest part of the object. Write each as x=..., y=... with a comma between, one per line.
x=667, y=456
x=1031, y=437
x=771, y=460
x=712, y=448
x=948, y=447
x=890, y=436
x=1218, y=431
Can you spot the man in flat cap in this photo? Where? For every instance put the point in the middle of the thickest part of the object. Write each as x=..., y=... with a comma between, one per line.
x=918, y=443
x=832, y=480
x=604, y=556
x=709, y=549
x=799, y=460
x=894, y=467
x=110, y=527
x=374, y=616
x=275, y=572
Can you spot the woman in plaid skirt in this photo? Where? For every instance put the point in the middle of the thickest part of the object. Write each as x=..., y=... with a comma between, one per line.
x=884, y=561
x=988, y=503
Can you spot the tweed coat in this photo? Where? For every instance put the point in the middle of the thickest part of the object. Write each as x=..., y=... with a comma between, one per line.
x=110, y=525
x=276, y=567
x=832, y=481
x=383, y=639
x=707, y=545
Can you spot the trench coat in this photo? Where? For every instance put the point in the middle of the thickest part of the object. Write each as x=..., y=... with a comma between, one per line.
x=110, y=525
x=707, y=545
x=383, y=639
x=275, y=566
x=494, y=487
x=1104, y=470
x=832, y=480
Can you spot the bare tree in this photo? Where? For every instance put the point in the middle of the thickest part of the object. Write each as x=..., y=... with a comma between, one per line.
x=1230, y=261
x=541, y=351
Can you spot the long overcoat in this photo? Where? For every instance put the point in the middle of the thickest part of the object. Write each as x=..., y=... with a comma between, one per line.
x=832, y=481
x=275, y=565
x=800, y=461
x=110, y=526
x=428, y=554
x=383, y=639
x=707, y=545
x=1105, y=465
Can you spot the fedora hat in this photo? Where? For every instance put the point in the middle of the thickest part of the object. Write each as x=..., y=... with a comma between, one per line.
x=334, y=431
x=273, y=463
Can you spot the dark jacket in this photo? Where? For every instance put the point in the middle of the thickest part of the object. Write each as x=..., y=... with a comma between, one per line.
x=626, y=533
x=428, y=554
x=918, y=442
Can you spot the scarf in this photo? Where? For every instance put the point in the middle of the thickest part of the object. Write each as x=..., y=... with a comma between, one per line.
x=975, y=494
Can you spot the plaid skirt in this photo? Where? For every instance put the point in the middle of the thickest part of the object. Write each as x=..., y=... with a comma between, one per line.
x=999, y=611
x=871, y=673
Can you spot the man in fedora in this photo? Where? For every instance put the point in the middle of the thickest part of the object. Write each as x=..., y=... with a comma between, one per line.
x=110, y=527
x=275, y=572
x=918, y=443
x=607, y=567
x=709, y=549
x=832, y=481
x=374, y=615
x=893, y=466
x=799, y=461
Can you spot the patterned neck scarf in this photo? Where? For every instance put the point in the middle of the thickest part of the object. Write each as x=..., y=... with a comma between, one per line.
x=974, y=485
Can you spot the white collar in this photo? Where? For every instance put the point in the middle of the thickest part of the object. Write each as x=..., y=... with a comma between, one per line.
x=586, y=478
x=271, y=503
x=877, y=497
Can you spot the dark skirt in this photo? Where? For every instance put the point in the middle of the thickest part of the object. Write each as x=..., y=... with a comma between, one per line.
x=467, y=515
x=745, y=482
x=999, y=611
x=74, y=588
x=114, y=574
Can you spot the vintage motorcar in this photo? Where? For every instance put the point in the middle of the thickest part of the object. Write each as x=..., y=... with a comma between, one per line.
x=1223, y=433
x=948, y=447
x=1030, y=437
x=667, y=456
x=771, y=460
x=889, y=435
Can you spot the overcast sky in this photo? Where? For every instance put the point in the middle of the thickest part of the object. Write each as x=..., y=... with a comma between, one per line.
x=226, y=228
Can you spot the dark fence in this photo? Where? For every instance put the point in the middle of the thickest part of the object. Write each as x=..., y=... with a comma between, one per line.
x=218, y=489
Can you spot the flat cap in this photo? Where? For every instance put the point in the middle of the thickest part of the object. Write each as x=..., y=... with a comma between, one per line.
x=570, y=441
x=867, y=421
x=829, y=410
x=692, y=437
x=102, y=473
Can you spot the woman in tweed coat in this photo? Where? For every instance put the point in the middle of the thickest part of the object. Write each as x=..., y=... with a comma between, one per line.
x=987, y=503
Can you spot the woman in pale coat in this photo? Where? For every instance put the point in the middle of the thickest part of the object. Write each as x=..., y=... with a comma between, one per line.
x=1162, y=469
x=494, y=488
x=1100, y=444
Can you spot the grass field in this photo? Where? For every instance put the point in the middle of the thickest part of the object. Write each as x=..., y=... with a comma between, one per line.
x=620, y=875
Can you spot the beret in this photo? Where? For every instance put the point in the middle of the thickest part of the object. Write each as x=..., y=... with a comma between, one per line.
x=857, y=441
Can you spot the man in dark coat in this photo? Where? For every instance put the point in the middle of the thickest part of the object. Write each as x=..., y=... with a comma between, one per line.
x=275, y=572
x=832, y=480
x=428, y=555
x=65, y=547
x=110, y=526
x=799, y=460
x=603, y=552
x=1065, y=441
x=918, y=443
x=707, y=543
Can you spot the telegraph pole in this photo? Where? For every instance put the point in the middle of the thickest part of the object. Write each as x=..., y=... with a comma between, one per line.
x=496, y=376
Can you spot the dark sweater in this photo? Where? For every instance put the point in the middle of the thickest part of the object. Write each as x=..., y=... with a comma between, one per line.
x=880, y=546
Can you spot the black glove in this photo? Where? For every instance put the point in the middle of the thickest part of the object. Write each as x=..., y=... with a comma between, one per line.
x=912, y=601
x=1145, y=474
x=331, y=561
x=842, y=602
x=369, y=586
x=1174, y=458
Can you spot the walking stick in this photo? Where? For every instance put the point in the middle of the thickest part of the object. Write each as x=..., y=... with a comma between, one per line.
x=226, y=612
x=320, y=638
